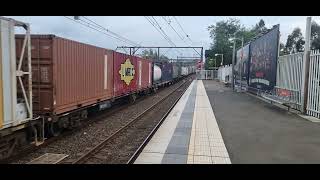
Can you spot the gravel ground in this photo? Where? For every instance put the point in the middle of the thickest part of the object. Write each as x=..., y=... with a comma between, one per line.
x=77, y=142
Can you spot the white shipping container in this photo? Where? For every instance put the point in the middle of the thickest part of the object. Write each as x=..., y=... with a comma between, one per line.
x=156, y=73
x=184, y=71
x=7, y=113
x=13, y=111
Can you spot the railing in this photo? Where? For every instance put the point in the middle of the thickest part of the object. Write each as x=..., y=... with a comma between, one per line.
x=289, y=77
x=313, y=105
x=207, y=74
x=287, y=97
x=225, y=73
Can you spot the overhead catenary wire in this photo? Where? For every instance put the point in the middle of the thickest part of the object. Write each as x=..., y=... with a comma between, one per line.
x=179, y=34
x=88, y=25
x=171, y=42
x=182, y=29
x=158, y=27
x=185, y=33
x=178, y=51
x=173, y=28
x=111, y=32
x=93, y=27
x=153, y=24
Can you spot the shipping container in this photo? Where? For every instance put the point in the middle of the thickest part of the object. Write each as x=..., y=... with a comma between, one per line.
x=15, y=107
x=184, y=70
x=125, y=75
x=175, y=71
x=166, y=71
x=156, y=73
x=145, y=73
x=263, y=60
x=67, y=74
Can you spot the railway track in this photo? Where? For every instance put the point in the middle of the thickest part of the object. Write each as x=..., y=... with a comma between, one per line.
x=31, y=148
x=154, y=130
x=53, y=144
x=125, y=144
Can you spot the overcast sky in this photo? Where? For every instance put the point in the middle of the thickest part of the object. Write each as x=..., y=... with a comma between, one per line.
x=139, y=30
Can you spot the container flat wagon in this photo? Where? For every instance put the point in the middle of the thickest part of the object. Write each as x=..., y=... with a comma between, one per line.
x=70, y=78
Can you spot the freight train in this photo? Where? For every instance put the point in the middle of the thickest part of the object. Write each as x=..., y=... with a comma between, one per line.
x=68, y=79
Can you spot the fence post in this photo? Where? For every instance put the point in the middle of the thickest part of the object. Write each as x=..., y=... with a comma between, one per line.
x=305, y=70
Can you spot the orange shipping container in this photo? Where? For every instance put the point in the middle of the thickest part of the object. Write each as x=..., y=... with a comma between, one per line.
x=145, y=73
x=68, y=74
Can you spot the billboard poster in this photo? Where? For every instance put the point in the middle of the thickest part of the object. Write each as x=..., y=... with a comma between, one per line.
x=242, y=66
x=263, y=61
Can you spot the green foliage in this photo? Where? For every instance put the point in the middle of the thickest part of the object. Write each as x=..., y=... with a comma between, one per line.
x=282, y=50
x=315, y=35
x=222, y=31
x=259, y=27
x=295, y=42
x=211, y=63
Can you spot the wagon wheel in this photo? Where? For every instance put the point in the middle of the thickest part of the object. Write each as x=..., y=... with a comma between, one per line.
x=132, y=98
x=54, y=128
x=154, y=90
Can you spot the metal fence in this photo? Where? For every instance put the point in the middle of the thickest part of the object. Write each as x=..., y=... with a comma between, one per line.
x=313, y=105
x=225, y=73
x=289, y=77
x=207, y=74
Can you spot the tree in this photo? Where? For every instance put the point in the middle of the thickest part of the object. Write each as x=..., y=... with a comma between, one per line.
x=220, y=34
x=223, y=30
x=259, y=27
x=282, y=50
x=315, y=35
x=295, y=42
x=209, y=64
x=150, y=54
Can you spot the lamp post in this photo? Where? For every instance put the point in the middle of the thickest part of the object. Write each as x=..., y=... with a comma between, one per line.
x=222, y=58
x=233, y=59
x=241, y=64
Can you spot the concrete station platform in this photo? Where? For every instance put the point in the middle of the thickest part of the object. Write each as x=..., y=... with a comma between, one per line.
x=252, y=131
x=258, y=132
x=189, y=135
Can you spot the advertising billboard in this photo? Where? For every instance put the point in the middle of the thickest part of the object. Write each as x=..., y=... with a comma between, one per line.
x=241, y=67
x=263, y=61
